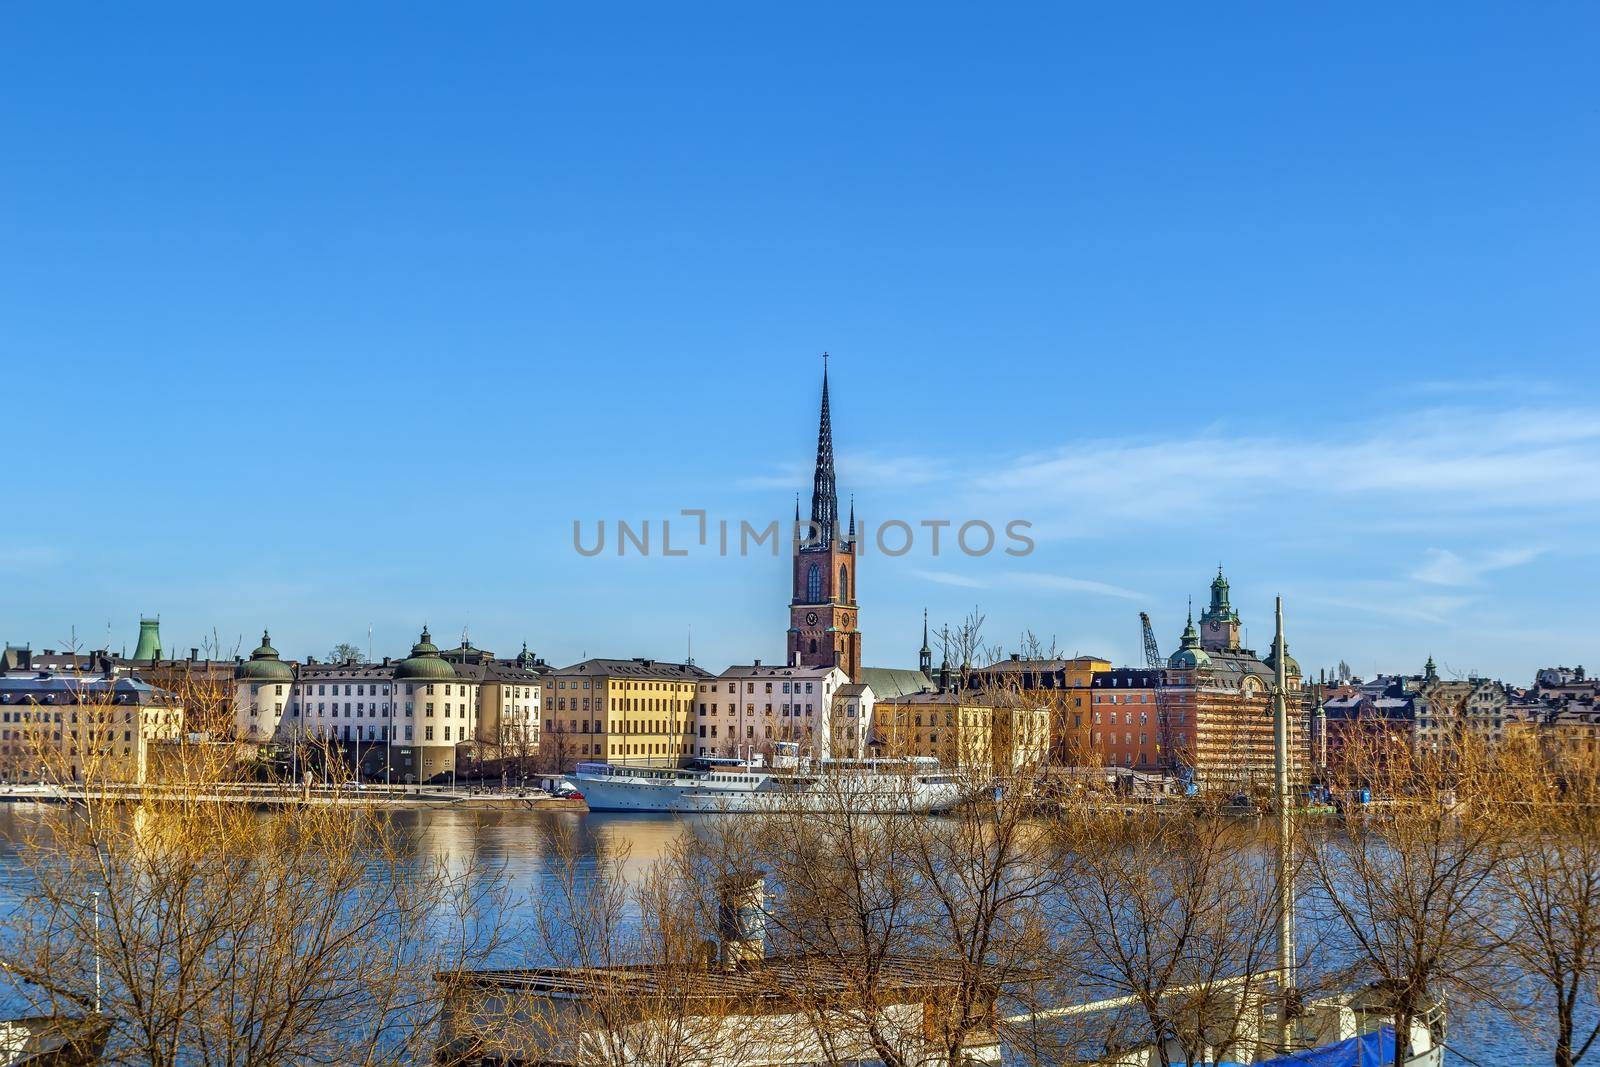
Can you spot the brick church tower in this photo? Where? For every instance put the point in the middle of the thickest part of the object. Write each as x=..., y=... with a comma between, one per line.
x=822, y=613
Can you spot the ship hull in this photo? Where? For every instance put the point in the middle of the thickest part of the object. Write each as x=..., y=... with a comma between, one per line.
x=613, y=792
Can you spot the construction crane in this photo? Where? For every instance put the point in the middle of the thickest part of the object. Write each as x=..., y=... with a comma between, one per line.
x=1166, y=756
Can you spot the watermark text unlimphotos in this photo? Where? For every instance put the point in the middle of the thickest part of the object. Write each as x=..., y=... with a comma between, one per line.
x=693, y=532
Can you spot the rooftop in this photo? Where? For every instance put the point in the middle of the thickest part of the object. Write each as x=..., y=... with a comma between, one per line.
x=767, y=976
x=660, y=670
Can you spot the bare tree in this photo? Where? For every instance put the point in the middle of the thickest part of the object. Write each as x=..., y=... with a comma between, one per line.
x=345, y=652
x=1405, y=885
x=1172, y=923
x=858, y=889
x=1550, y=884
x=636, y=987
x=201, y=931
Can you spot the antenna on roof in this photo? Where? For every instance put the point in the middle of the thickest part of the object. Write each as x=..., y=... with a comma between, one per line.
x=689, y=658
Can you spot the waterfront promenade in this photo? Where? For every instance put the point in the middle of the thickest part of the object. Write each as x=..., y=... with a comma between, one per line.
x=264, y=795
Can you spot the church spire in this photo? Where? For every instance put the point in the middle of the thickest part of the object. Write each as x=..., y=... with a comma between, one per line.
x=925, y=656
x=824, y=493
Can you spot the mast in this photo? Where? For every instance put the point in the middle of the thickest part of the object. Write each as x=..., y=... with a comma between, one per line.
x=1280, y=759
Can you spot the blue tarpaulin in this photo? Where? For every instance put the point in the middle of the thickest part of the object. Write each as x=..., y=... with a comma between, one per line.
x=1368, y=1050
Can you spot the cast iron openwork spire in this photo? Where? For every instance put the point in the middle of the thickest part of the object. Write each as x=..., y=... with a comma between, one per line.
x=824, y=494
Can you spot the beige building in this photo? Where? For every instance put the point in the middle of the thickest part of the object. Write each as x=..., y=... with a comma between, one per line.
x=750, y=709
x=1448, y=710
x=619, y=710
x=82, y=727
x=964, y=730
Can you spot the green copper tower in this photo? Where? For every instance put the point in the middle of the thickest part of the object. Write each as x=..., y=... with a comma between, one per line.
x=149, y=647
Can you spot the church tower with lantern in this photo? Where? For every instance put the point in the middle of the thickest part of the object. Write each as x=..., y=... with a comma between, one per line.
x=822, y=612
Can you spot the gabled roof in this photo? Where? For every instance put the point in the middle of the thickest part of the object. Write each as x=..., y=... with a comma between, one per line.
x=890, y=682
x=659, y=670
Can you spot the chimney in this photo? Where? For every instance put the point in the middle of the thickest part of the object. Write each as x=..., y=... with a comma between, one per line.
x=194, y=654
x=758, y=663
x=1015, y=656
x=742, y=920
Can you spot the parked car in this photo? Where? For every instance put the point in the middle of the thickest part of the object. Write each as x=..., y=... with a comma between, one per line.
x=568, y=794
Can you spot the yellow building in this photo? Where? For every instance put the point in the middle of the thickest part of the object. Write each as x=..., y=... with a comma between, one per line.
x=952, y=727
x=62, y=727
x=635, y=710
x=1021, y=739
x=990, y=735
x=1060, y=686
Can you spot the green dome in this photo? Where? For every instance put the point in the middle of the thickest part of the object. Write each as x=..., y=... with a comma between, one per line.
x=1189, y=659
x=424, y=664
x=264, y=665
x=1291, y=667
x=1190, y=656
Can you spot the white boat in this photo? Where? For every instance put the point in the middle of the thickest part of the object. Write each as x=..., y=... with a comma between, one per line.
x=706, y=784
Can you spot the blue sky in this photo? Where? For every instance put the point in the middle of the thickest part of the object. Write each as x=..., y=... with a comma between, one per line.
x=321, y=316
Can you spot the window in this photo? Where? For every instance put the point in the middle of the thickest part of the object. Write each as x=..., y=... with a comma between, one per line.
x=813, y=585
x=844, y=583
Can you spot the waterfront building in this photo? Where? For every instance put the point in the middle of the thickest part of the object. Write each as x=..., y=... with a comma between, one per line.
x=1222, y=694
x=746, y=710
x=1450, y=710
x=203, y=685
x=1568, y=733
x=419, y=719
x=79, y=727
x=1372, y=718
x=824, y=621
x=1127, y=724
x=509, y=699
x=619, y=710
x=955, y=727
x=1059, y=685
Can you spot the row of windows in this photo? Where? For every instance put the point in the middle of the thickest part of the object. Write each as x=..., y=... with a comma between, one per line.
x=88, y=716
x=750, y=687
x=89, y=735
x=750, y=709
x=373, y=689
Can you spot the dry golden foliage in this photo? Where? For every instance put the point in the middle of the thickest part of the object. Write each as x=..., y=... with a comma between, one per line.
x=206, y=931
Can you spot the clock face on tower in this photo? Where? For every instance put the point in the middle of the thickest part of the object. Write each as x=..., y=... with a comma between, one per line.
x=1215, y=626
x=811, y=618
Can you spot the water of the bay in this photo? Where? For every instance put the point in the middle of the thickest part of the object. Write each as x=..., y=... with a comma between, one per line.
x=513, y=842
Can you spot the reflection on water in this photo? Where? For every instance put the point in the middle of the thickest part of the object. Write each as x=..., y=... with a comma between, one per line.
x=512, y=842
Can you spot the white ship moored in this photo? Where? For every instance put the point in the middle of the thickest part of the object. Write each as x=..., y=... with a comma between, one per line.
x=720, y=784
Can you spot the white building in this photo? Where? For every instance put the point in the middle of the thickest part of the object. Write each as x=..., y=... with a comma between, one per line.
x=747, y=709
x=406, y=720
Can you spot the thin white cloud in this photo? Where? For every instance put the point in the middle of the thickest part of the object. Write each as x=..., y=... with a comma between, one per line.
x=1031, y=580
x=1441, y=566
x=962, y=581
x=1465, y=458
